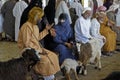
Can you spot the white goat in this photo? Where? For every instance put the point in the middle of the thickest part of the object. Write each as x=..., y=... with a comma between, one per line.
x=68, y=65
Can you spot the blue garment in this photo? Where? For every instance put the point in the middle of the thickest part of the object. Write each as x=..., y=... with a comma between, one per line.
x=64, y=34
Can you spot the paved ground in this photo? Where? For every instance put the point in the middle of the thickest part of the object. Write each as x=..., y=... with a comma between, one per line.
x=10, y=50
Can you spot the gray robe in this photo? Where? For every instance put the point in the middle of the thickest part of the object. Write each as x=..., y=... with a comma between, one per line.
x=9, y=20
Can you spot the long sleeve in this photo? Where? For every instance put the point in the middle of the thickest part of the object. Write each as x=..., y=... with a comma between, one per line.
x=59, y=35
x=81, y=35
x=27, y=35
x=58, y=39
x=43, y=34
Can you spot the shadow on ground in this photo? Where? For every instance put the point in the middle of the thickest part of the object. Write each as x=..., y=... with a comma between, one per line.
x=10, y=50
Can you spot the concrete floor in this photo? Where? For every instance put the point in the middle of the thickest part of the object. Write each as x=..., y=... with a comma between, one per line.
x=10, y=50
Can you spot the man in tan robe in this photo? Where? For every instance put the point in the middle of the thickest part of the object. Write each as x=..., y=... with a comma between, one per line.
x=107, y=32
x=29, y=36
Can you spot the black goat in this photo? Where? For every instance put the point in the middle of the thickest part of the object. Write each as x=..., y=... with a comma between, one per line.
x=16, y=69
x=113, y=76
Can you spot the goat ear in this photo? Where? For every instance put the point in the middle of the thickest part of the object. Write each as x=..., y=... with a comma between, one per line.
x=25, y=53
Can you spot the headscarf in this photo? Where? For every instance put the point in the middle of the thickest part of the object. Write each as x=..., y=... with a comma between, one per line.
x=100, y=14
x=86, y=9
x=32, y=4
x=37, y=3
x=50, y=11
x=66, y=28
x=101, y=8
x=35, y=12
x=62, y=8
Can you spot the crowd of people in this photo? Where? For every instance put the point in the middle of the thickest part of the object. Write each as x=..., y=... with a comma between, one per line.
x=54, y=29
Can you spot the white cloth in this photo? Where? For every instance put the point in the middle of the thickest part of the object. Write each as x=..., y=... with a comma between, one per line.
x=113, y=7
x=3, y=1
x=118, y=18
x=78, y=7
x=17, y=12
x=1, y=23
x=91, y=5
x=62, y=8
x=85, y=9
x=100, y=3
x=1, y=17
x=95, y=31
x=82, y=30
x=51, y=77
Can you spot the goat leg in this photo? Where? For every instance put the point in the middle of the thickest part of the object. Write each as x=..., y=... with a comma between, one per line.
x=67, y=75
x=76, y=76
x=84, y=70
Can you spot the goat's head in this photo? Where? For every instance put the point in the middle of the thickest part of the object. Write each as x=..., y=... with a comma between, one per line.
x=31, y=56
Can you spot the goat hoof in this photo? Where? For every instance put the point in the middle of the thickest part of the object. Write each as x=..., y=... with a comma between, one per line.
x=78, y=70
x=99, y=69
x=77, y=79
x=96, y=67
x=84, y=74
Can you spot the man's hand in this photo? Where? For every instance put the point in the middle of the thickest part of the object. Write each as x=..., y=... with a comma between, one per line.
x=48, y=27
x=43, y=52
x=69, y=45
x=52, y=32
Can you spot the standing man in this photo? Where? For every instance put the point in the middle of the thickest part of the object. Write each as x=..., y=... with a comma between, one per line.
x=17, y=12
x=9, y=20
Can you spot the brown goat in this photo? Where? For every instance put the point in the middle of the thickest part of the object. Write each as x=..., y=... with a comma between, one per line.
x=84, y=56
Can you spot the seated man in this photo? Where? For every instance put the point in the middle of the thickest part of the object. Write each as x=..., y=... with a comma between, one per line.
x=29, y=37
x=82, y=27
x=95, y=30
x=83, y=36
x=105, y=30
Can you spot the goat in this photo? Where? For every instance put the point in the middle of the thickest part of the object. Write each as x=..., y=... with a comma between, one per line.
x=89, y=52
x=96, y=53
x=68, y=65
x=84, y=56
x=17, y=69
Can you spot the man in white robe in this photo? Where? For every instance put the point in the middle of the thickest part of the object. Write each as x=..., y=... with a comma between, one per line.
x=78, y=7
x=82, y=33
x=113, y=13
x=118, y=18
x=17, y=12
x=95, y=32
x=118, y=24
x=82, y=27
x=62, y=8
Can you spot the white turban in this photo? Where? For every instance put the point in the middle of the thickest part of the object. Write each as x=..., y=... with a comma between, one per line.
x=86, y=9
